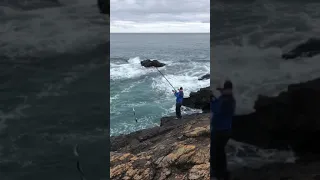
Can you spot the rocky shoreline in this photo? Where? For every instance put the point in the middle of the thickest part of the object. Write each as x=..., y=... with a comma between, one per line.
x=179, y=149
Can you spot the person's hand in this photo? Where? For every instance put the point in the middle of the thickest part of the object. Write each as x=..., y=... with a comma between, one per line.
x=219, y=85
x=212, y=95
x=173, y=90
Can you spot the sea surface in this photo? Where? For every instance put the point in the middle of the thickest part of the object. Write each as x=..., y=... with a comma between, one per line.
x=54, y=90
x=248, y=40
x=143, y=93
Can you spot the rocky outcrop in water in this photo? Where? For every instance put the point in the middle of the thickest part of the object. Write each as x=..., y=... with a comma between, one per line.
x=199, y=99
x=151, y=63
x=104, y=6
x=309, y=48
x=204, y=77
x=179, y=149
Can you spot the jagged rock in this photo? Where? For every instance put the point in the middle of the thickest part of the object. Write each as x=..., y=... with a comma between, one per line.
x=199, y=99
x=104, y=6
x=198, y=131
x=309, y=48
x=288, y=120
x=169, y=121
x=151, y=63
x=129, y=166
x=200, y=171
x=204, y=77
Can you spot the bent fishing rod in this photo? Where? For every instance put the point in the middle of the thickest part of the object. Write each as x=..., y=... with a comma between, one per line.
x=165, y=78
x=134, y=111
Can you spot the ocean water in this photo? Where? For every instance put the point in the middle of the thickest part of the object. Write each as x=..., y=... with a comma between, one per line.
x=248, y=40
x=53, y=75
x=144, y=89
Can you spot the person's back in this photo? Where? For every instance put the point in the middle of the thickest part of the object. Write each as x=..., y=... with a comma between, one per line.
x=222, y=109
x=179, y=99
x=179, y=96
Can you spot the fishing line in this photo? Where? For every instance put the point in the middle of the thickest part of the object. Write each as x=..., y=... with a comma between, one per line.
x=134, y=114
x=76, y=154
x=165, y=78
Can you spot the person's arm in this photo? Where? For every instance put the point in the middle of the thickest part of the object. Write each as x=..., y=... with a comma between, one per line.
x=174, y=93
x=215, y=105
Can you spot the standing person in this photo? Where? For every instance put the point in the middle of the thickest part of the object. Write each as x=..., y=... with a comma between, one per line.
x=179, y=99
x=222, y=109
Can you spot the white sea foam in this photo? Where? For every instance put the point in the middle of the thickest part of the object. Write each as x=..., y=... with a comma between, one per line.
x=131, y=69
x=242, y=154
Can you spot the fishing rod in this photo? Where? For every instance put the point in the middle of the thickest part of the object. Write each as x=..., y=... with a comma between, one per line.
x=165, y=78
x=134, y=112
x=76, y=154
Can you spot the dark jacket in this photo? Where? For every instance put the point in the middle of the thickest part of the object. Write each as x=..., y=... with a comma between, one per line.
x=222, y=109
x=179, y=97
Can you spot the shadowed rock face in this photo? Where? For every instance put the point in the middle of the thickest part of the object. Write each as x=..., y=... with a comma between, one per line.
x=151, y=63
x=288, y=120
x=104, y=6
x=309, y=48
x=204, y=77
x=199, y=99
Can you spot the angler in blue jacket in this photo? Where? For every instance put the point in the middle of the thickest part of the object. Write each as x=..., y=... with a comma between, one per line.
x=222, y=109
x=179, y=99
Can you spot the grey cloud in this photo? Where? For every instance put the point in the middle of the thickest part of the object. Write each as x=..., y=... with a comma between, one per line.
x=160, y=10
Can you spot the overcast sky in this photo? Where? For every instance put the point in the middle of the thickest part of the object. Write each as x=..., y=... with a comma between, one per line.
x=160, y=16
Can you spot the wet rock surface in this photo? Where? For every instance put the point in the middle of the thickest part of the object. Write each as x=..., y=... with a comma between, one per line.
x=151, y=63
x=204, y=77
x=309, y=48
x=199, y=99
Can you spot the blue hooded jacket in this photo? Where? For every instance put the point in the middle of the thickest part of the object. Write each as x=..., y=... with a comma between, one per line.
x=179, y=96
x=223, y=109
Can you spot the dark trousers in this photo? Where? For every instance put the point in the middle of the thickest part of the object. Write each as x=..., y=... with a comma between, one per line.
x=218, y=159
x=178, y=110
